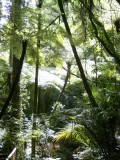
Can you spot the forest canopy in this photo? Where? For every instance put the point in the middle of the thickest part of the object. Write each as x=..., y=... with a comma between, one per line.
x=60, y=79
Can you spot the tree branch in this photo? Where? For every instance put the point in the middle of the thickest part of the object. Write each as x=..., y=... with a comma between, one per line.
x=51, y=23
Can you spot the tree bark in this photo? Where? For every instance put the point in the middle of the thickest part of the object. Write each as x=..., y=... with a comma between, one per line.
x=16, y=107
x=79, y=64
x=7, y=102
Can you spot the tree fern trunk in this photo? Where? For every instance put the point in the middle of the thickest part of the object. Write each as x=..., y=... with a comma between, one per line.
x=16, y=80
x=86, y=85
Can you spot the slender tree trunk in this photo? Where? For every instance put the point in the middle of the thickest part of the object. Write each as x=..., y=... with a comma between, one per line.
x=39, y=100
x=35, y=109
x=79, y=64
x=35, y=106
x=9, y=81
x=64, y=86
x=66, y=80
x=96, y=71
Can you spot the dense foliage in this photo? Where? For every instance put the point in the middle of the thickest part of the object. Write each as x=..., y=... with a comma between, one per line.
x=60, y=79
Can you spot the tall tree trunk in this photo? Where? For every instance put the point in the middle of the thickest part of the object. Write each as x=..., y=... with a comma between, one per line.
x=66, y=80
x=16, y=109
x=16, y=81
x=15, y=49
x=79, y=64
x=35, y=109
